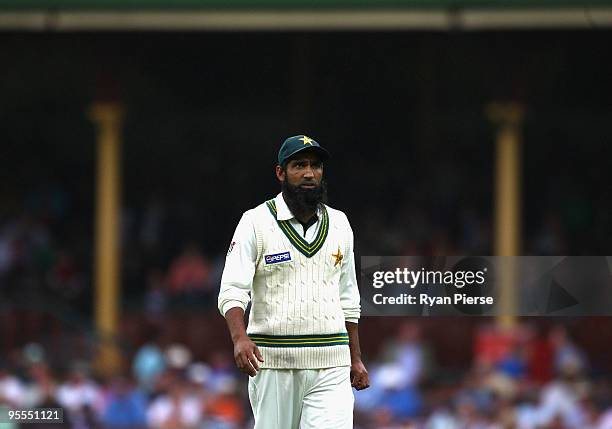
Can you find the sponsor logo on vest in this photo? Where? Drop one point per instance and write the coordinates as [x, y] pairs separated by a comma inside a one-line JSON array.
[[277, 258]]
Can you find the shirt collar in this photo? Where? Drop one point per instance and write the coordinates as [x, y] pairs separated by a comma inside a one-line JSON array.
[[282, 209]]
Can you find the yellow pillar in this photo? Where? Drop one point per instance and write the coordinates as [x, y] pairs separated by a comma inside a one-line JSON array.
[[508, 117], [107, 118]]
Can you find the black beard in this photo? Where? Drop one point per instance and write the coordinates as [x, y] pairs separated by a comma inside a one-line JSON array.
[[301, 201]]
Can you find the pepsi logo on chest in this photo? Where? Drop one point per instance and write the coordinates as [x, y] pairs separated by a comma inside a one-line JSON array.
[[277, 258]]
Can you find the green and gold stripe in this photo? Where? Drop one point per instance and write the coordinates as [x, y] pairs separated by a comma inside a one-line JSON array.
[[322, 340], [306, 248]]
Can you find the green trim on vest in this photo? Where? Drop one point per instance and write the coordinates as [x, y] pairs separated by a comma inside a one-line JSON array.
[[322, 340], [305, 248]]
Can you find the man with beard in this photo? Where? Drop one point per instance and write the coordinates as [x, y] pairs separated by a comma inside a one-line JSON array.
[[292, 257]]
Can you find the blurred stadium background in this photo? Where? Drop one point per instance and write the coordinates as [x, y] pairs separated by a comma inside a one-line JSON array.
[[195, 96]]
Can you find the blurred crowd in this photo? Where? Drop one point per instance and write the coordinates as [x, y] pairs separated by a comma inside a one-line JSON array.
[[173, 254], [519, 378], [164, 389], [46, 253], [412, 166], [523, 378]]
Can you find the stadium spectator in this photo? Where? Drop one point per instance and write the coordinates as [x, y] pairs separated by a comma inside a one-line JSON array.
[[225, 410], [563, 399], [125, 407], [178, 406], [188, 279], [151, 230], [80, 396], [394, 392], [156, 297], [149, 362], [64, 277], [189, 271], [222, 371], [514, 363], [409, 353], [606, 420], [568, 357], [41, 388], [12, 392]]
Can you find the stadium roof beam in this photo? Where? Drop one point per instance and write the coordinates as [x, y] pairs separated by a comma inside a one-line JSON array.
[[402, 19]]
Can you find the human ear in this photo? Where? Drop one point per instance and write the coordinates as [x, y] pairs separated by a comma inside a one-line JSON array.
[[280, 173]]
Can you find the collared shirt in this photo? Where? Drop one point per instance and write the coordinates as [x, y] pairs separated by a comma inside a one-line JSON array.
[[284, 213], [240, 263]]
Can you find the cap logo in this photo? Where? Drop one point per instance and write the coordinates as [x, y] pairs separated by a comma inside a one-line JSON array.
[[307, 140]]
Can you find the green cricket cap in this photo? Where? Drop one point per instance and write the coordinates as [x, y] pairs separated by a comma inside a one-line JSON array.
[[297, 144]]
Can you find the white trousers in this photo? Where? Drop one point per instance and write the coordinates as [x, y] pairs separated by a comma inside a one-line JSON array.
[[302, 398]]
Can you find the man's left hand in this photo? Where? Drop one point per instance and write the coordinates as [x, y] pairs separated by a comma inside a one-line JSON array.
[[359, 376]]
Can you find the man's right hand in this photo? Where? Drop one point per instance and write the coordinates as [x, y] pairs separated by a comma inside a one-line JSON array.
[[247, 356]]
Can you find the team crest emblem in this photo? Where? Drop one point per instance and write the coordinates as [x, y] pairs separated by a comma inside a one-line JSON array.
[[306, 140], [338, 257]]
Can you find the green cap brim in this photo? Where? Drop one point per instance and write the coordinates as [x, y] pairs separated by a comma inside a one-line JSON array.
[[323, 154]]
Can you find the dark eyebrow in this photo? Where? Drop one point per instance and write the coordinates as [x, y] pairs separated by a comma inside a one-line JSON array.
[[302, 161]]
